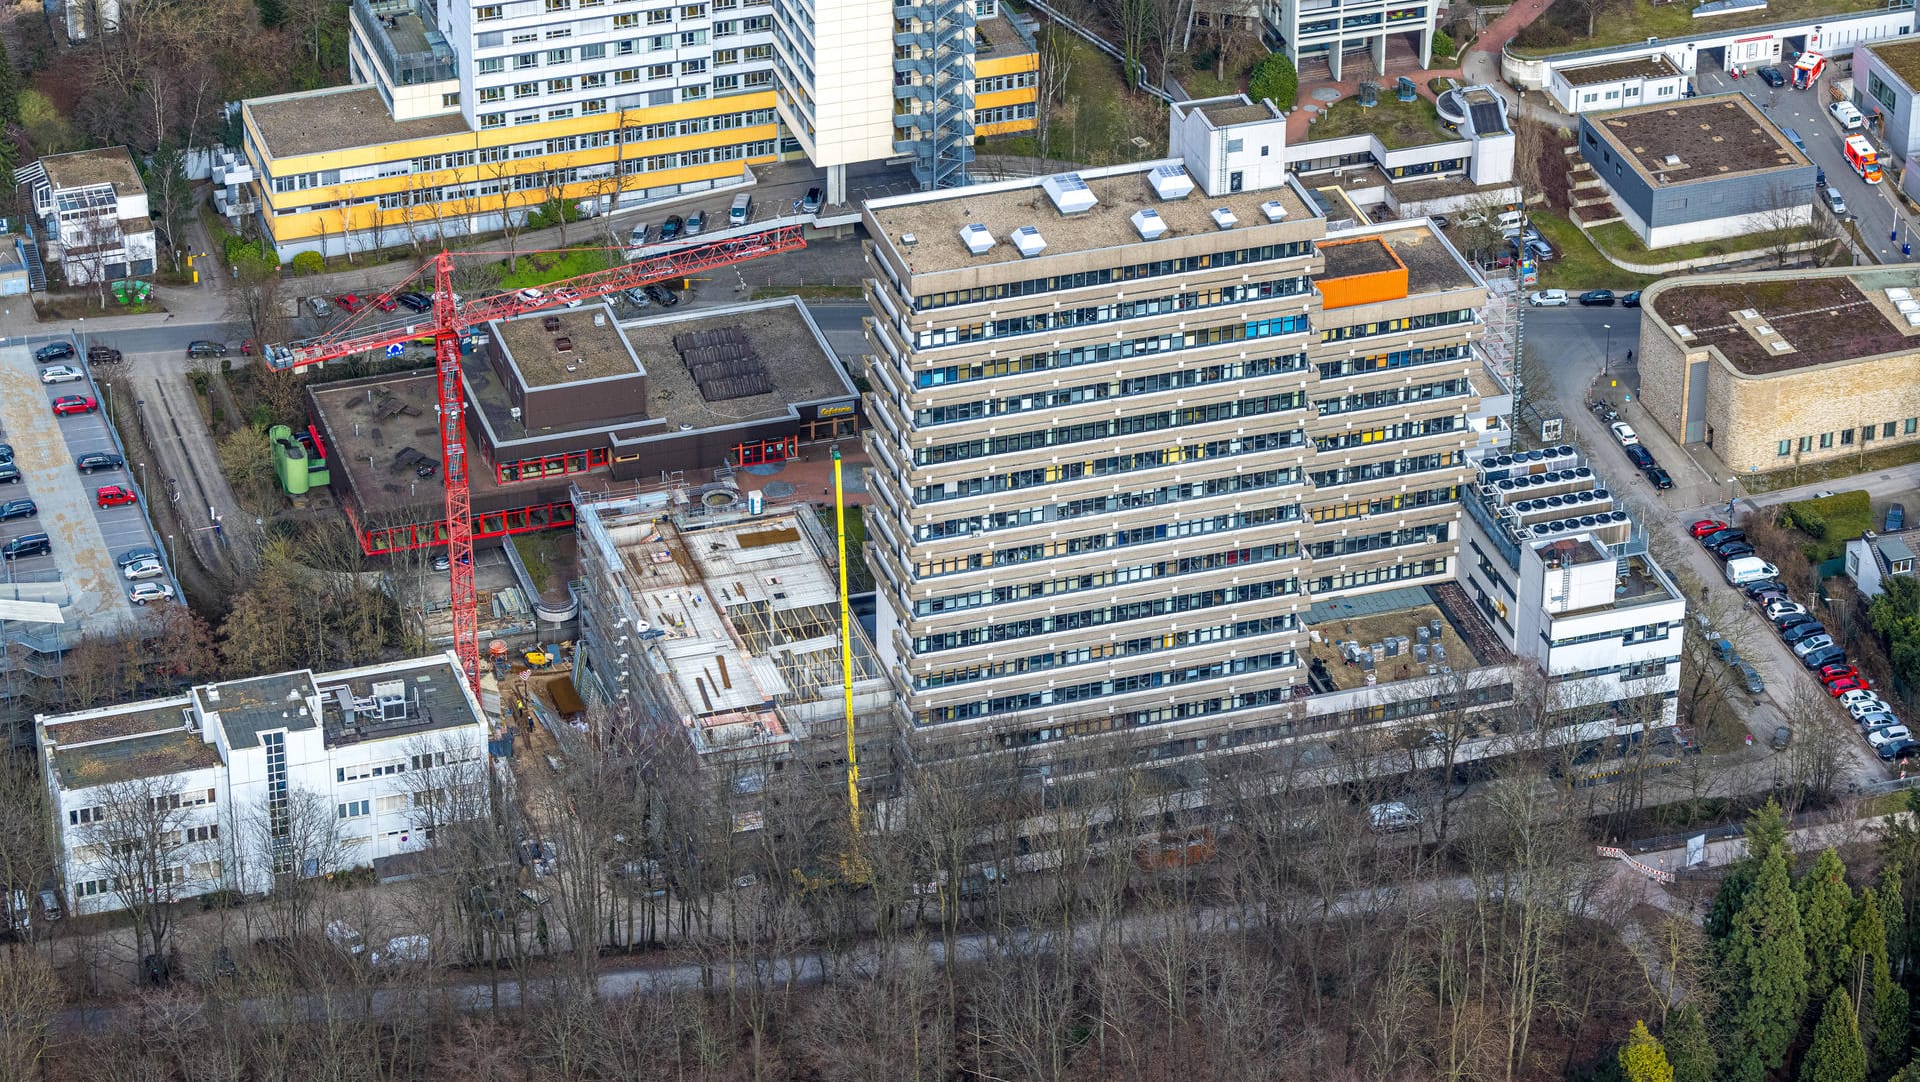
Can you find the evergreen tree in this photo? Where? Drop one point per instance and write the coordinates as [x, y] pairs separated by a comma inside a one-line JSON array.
[[1826, 909], [1880, 1002], [9, 88], [1690, 1047], [1893, 915], [1836, 1054], [1765, 831], [1642, 1059], [1763, 974]]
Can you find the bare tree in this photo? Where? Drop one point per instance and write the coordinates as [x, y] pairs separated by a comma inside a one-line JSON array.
[[29, 999], [143, 844], [296, 847], [1055, 67]]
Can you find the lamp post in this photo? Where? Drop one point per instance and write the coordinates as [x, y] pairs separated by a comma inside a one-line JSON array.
[[1606, 358]]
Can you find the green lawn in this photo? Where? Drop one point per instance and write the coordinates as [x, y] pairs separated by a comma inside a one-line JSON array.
[[1620, 241], [1097, 119], [1638, 20], [1203, 83], [538, 270], [1581, 265], [1397, 124], [1836, 519], [859, 575]]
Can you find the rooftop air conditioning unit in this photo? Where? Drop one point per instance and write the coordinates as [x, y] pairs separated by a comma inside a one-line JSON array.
[[1275, 210], [1069, 193], [1028, 239], [1170, 181], [1149, 223], [1223, 218], [976, 237]]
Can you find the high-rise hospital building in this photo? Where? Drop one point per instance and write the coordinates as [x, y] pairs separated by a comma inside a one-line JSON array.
[[462, 111]]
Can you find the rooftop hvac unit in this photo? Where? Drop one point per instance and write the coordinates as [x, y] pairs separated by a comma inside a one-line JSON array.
[[1149, 223], [1275, 210], [1506, 484], [1069, 193], [1583, 471], [1602, 494], [1588, 520], [976, 237], [1170, 182], [1029, 241], [1565, 449], [1223, 218]]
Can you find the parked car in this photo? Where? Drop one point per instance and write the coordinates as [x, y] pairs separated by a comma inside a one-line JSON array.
[[1787, 621], [662, 296], [385, 303], [1749, 677], [568, 296], [1899, 749], [103, 355], [1630, 300], [1707, 526], [204, 348], [1771, 76], [18, 509], [145, 592], [74, 403], [532, 294], [348, 302], [1660, 478], [638, 234], [1722, 536], [32, 544], [1876, 719], [1860, 708], [134, 556], [1848, 698], [114, 496], [696, 222], [1840, 672], [9, 474], [1640, 456], [94, 461], [1800, 633], [1765, 584], [672, 227], [144, 569], [1624, 432], [1880, 738], [415, 302], [1781, 607], [1392, 817], [1734, 550], [57, 351], [1896, 518], [1598, 298], [320, 307], [1811, 643], [61, 373], [636, 297], [1548, 298], [1824, 657], [1782, 736], [815, 198]]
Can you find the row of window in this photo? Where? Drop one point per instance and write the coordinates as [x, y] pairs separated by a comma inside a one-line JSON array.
[[1374, 542], [559, 178], [1112, 312], [1113, 428], [1376, 471], [1211, 374], [994, 84], [1393, 396], [193, 798], [486, 13], [1052, 360], [1125, 685], [1006, 114], [1384, 505], [1845, 437], [1074, 471], [1391, 326], [1115, 614], [1107, 275], [1100, 542], [1112, 503], [1380, 362], [1104, 579], [1109, 651], [1418, 569], [1404, 430]]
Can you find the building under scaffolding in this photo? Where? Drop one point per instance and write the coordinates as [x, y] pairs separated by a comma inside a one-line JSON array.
[[713, 610]]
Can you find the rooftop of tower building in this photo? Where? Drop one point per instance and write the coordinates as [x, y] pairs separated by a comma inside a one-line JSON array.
[[1040, 218]]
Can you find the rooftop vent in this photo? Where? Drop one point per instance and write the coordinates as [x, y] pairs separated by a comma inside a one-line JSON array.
[[1069, 193], [1223, 218], [976, 237], [562, 345], [1028, 239], [1274, 210], [1673, 159], [1170, 182], [908, 240], [1149, 223], [551, 323]]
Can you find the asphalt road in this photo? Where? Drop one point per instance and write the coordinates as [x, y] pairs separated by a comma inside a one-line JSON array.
[[1805, 111]]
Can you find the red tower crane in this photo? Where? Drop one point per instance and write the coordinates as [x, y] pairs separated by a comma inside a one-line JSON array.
[[451, 320]]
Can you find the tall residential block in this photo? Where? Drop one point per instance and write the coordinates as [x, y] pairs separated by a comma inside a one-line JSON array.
[[1386, 35], [464, 112], [1135, 429]]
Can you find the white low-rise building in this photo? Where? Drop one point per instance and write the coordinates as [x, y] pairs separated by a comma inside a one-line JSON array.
[[92, 208], [236, 783]]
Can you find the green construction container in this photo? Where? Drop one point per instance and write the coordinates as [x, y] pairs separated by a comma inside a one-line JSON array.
[[289, 461]]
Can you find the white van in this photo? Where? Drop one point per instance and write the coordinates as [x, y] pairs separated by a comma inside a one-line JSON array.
[[1747, 569], [1510, 222], [1848, 116], [742, 207], [1392, 817]]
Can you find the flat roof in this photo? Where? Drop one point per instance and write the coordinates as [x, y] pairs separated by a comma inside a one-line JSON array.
[[374, 422], [1822, 317], [998, 37], [85, 168], [1431, 261], [594, 346], [260, 704], [1699, 139], [802, 366], [748, 614], [433, 698], [338, 118], [1902, 58], [1350, 256], [149, 755], [1238, 109], [1349, 629], [1647, 67], [935, 219]]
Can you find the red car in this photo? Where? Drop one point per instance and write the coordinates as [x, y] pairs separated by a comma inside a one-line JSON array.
[[349, 302], [115, 496], [1708, 525], [74, 403], [385, 303], [1841, 685], [1836, 671]]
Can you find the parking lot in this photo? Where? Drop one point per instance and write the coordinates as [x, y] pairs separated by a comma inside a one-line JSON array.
[[86, 538]]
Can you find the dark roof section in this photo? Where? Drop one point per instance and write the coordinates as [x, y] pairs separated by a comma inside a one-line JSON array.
[[1825, 318], [1684, 142], [248, 708], [1902, 58], [152, 755], [1346, 258], [1653, 67], [431, 698]]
